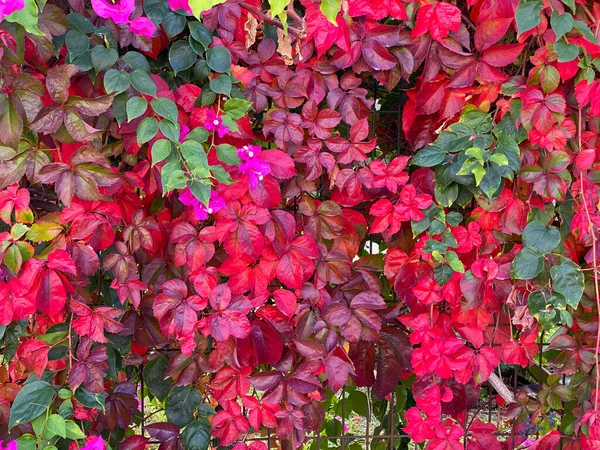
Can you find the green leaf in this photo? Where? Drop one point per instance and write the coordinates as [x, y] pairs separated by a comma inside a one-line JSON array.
[[566, 52], [455, 262], [181, 56], [166, 108], [172, 177], [540, 236], [561, 23], [585, 31], [116, 81], [200, 6], [77, 43], [194, 154], [136, 106], [527, 15], [142, 82], [120, 106], [170, 130], [196, 435], [154, 376], [491, 182], [173, 24], [454, 218], [568, 280], [221, 85], [147, 129], [198, 134], [201, 191], [429, 156], [103, 58], [57, 426], [221, 175], [201, 34], [331, 8], [228, 154], [27, 442], [136, 61], [236, 108], [570, 4], [229, 123], [31, 401], [549, 79], [528, 263], [499, 159], [90, 399], [219, 59], [442, 273], [161, 150], [27, 17], [182, 401], [277, 6], [73, 431]]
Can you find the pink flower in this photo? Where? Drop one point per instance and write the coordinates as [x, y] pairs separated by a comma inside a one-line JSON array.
[[7, 7], [183, 131], [256, 169], [12, 445], [215, 123], [94, 443], [249, 151], [215, 204], [118, 12], [180, 4], [142, 26]]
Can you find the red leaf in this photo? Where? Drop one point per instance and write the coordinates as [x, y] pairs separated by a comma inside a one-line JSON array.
[[282, 166], [34, 354], [286, 301], [502, 55], [490, 32], [438, 19]]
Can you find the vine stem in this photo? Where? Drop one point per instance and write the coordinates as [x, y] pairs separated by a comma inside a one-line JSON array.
[[262, 16], [594, 267]]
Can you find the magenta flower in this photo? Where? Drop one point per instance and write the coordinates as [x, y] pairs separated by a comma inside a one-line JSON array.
[[12, 445], [7, 7], [248, 152], [256, 169], [120, 11], [183, 131], [215, 204], [142, 26], [215, 123], [180, 4], [95, 443]]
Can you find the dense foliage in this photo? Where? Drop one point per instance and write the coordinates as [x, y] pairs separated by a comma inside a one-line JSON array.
[[208, 205]]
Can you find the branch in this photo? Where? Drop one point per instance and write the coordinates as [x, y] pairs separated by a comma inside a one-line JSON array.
[[262, 16], [501, 388]]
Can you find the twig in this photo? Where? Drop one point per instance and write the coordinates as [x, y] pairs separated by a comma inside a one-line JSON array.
[[468, 21], [262, 16], [501, 388], [594, 267]]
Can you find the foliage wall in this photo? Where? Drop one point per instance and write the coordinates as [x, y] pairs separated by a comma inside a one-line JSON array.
[[208, 205]]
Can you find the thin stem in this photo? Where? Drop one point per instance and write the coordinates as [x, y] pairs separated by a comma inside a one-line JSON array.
[[262, 16], [594, 266]]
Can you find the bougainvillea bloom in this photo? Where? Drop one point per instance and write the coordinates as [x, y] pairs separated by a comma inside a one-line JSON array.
[[142, 26], [7, 7], [215, 123], [202, 211], [95, 443], [120, 12], [180, 4]]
